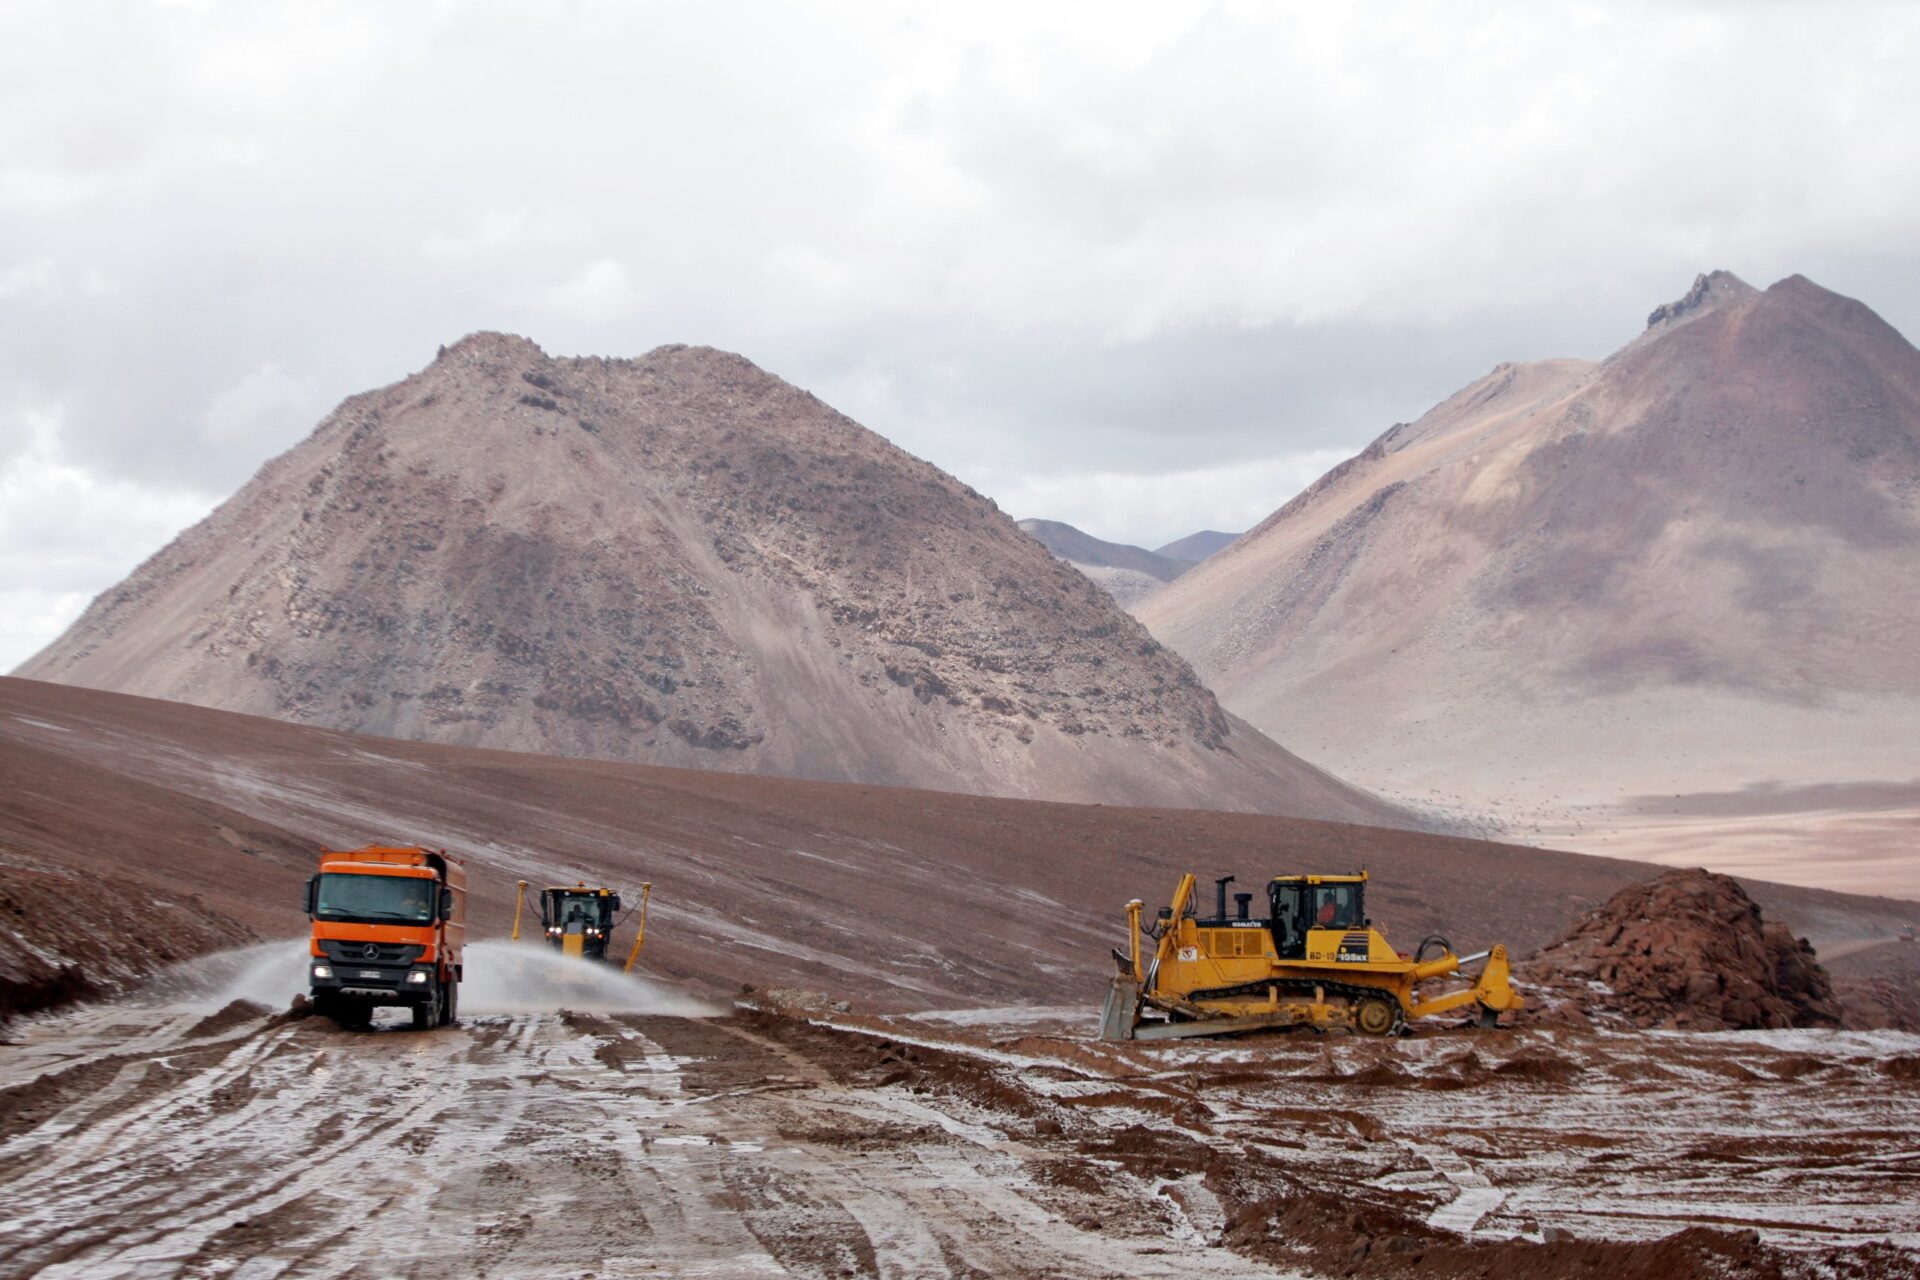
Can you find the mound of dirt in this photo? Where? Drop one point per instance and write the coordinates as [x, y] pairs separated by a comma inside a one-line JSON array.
[[46, 961], [237, 1013], [1690, 950]]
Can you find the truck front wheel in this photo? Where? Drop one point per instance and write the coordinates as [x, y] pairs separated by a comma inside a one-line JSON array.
[[348, 1015], [452, 996], [427, 1016]]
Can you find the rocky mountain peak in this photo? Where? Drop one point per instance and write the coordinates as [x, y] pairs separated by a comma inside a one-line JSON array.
[[1705, 541], [1709, 289], [489, 344]]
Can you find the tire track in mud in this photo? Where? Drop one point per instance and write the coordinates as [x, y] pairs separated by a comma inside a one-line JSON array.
[[525, 1146], [632, 1145], [77, 1143], [144, 1211], [934, 1188], [133, 1193]]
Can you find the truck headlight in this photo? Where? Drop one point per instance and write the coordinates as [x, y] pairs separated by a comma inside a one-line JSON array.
[[418, 975], [323, 971]]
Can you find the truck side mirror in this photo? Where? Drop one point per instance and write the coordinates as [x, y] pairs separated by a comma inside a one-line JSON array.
[[446, 903], [616, 903], [313, 894]]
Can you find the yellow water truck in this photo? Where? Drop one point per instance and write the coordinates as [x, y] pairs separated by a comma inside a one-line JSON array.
[[1314, 960], [579, 921]]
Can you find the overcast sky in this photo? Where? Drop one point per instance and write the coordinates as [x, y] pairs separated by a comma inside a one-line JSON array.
[[1144, 268]]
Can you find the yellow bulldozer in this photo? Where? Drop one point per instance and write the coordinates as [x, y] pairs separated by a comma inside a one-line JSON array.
[[1315, 960]]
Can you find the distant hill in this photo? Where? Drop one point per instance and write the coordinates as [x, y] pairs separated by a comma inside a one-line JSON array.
[[678, 559], [1196, 547], [1128, 573], [1665, 604]]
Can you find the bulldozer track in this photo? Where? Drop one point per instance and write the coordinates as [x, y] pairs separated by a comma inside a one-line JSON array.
[[1352, 992]]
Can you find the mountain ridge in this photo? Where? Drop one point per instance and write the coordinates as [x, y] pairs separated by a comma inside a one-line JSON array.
[[679, 559], [1573, 585]]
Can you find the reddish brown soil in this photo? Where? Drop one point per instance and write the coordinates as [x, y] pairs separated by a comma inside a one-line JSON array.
[[893, 899]]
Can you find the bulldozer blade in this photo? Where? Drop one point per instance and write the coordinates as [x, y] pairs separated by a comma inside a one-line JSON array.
[[1122, 1011], [1217, 1026]]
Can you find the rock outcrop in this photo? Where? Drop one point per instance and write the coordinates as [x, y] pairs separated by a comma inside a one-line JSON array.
[[1708, 287]]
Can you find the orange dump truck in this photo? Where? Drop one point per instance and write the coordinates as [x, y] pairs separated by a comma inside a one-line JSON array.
[[389, 925]]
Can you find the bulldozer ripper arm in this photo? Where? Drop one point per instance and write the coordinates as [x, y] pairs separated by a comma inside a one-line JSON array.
[[1493, 988], [1437, 968]]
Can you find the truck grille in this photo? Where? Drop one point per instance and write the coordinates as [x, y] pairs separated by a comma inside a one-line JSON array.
[[346, 952]]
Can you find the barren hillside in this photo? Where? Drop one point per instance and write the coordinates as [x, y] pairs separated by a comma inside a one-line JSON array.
[[1663, 605], [185, 830], [678, 559]]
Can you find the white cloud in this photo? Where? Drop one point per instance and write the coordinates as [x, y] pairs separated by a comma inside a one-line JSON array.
[[267, 407], [66, 533], [1018, 236], [501, 233], [40, 280], [35, 280], [46, 190], [1152, 510], [600, 290]]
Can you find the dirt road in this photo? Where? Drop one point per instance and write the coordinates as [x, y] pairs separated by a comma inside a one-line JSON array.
[[168, 1142], [533, 1144]]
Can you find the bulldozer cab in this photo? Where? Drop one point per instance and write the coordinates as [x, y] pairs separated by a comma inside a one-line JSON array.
[[1299, 903], [572, 910], [578, 919]]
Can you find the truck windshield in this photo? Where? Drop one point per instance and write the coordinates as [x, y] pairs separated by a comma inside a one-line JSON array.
[[375, 898]]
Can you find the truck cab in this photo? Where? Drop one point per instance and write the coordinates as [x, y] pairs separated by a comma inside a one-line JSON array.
[[389, 928]]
